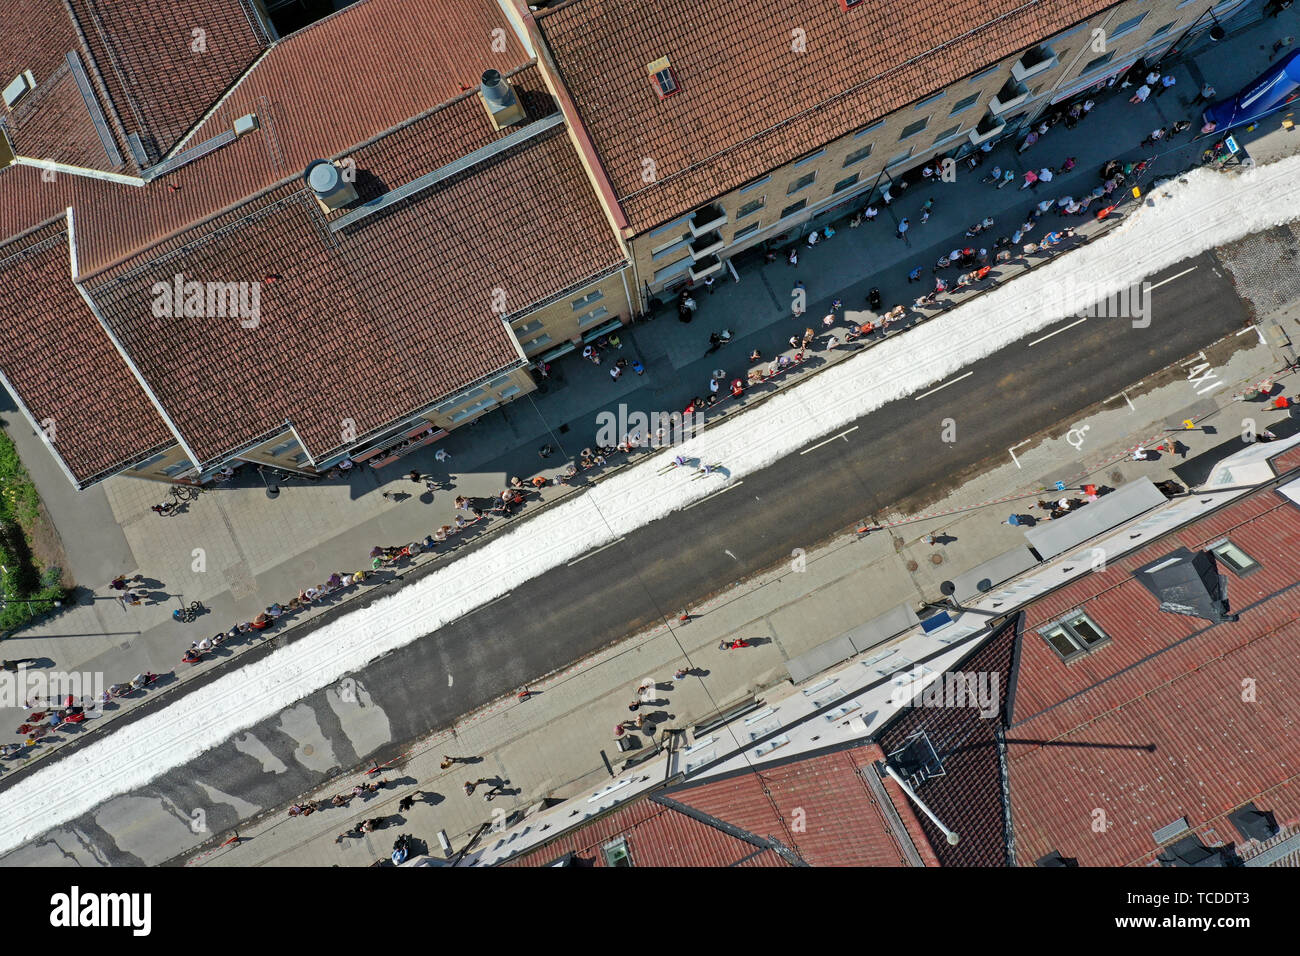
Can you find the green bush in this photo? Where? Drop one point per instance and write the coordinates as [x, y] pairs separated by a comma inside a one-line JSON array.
[[30, 591]]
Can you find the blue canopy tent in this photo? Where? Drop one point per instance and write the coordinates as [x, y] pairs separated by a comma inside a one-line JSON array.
[[1278, 85]]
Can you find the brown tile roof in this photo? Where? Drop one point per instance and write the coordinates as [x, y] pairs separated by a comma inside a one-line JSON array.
[[151, 73], [747, 102], [842, 823], [1156, 724], [968, 797], [56, 356], [161, 75], [818, 809], [369, 324], [656, 836]]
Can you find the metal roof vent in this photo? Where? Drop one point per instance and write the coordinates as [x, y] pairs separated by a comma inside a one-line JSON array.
[[333, 190], [23, 84], [504, 108], [245, 124]]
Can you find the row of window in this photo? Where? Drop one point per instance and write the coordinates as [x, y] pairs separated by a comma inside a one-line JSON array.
[[1077, 633]]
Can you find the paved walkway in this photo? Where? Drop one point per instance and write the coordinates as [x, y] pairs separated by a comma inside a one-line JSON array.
[[237, 551]]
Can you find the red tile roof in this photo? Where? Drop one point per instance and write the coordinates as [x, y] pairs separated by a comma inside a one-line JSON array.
[[843, 824], [656, 835], [818, 808], [1156, 724], [164, 65], [56, 356], [747, 101], [151, 72], [415, 285]]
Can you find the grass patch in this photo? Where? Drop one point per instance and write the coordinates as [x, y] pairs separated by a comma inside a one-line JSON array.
[[29, 590]]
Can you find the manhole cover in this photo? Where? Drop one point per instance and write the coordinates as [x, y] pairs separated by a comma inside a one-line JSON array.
[[912, 565], [309, 565], [308, 750], [936, 559], [898, 544], [1117, 476]]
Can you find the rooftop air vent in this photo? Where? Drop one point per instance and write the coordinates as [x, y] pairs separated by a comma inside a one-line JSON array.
[[504, 108], [245, 124], [23, 84], [332, 190]]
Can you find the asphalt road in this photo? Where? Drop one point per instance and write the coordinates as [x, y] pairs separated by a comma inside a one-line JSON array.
[[895, 457]]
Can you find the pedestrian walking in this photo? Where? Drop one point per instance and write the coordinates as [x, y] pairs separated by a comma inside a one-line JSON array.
[[1030, 140], [915, 275], [1274, 7], [1031, 179], [442, 455], [1045, 175], [1007, 177], [1154, 136], [1166, 82], [925, 216], [1140, 95], [870, 213], [903, 226], [1207, 93]]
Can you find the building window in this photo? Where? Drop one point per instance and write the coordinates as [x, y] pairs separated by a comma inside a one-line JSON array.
[[949, 133], [901, 157], [1234, 557], [867, 129], [595, 315], [930, 99], [283, 447], [478, 406], [803, 182], [857, 156], [675, 224], [664, 251], [171, 471], [983, 73], [754, 185], [1097, 63], [808, 159], [661, 76], [1161, 31], [751, 207], [744, 231], [509, 392], [844, 184], [1128, 26], [528, 328], [674, 270], [914, 128], [587, 299], [1074, 634], [535, 343], [793, 208], [1068, 33], [965, 104]]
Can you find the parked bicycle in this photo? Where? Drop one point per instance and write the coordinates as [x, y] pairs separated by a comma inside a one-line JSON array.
[[185, 492], [186, 614]]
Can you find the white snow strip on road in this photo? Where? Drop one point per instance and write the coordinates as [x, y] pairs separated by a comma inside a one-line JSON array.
[[1206, 210]]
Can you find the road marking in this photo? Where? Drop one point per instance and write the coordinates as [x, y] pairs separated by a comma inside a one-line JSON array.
[[730, 555], [1057, 332], [944, 385], [829, 440], [488, 604], [449, 680], [1244, 331], [597, 551], [1172, 278], [1013, 448], [714, 495]]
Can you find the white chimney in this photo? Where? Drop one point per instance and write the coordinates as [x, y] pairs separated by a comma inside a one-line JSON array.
[[504, 108]]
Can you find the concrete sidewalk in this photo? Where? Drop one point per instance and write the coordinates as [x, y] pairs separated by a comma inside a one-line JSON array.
[[559, 743], [237, 551]]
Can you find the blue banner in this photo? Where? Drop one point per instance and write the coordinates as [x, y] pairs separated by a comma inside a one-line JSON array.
[[1277, 85]]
